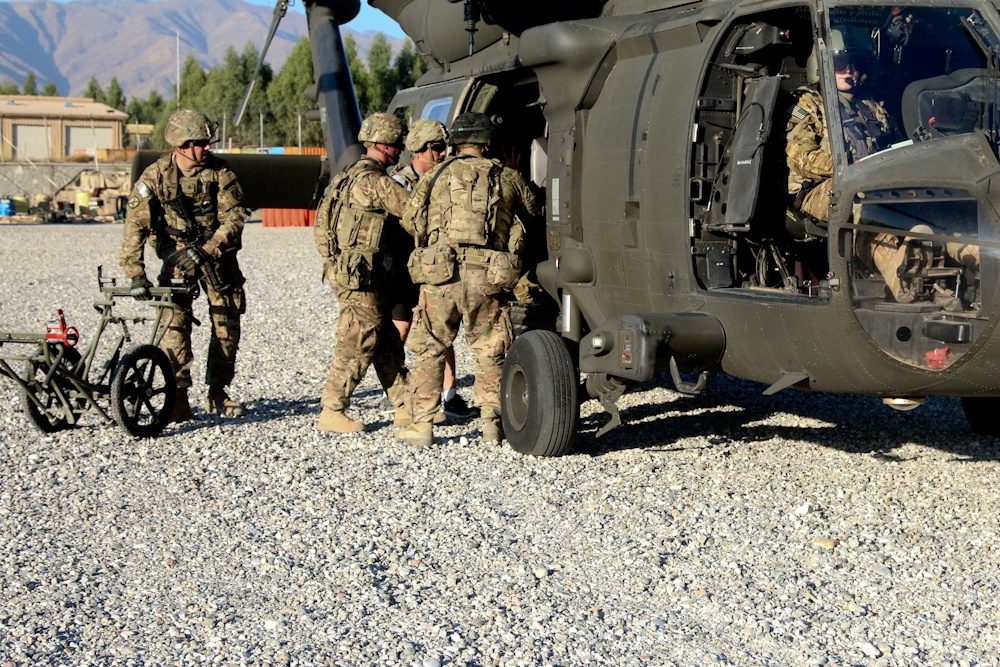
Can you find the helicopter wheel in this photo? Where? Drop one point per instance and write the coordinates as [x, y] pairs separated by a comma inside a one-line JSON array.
[[538, 395], [981, 413], [36, 371], [142, 391]]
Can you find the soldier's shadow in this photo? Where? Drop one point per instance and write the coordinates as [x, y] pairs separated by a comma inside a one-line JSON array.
[[263, 410]]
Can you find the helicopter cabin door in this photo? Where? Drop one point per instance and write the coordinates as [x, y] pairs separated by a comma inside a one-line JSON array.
[[745, 232]]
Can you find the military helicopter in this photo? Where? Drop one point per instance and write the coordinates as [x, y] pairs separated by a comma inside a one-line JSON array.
[[657, 129]]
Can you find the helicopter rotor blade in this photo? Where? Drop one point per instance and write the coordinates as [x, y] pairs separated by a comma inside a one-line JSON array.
[[279, 12]]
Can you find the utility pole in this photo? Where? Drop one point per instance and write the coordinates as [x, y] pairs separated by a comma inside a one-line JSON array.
[[177, 35]]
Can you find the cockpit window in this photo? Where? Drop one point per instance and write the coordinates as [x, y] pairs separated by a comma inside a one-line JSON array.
[[910, 73]]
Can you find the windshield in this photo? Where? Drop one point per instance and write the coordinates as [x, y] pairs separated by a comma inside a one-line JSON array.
[[911, 73]]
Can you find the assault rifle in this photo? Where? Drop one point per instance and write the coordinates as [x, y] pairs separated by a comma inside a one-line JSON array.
[[195, 235]]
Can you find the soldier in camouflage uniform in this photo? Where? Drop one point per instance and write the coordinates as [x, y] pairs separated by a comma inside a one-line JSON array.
[[463, 216], [353, 222], [426, 141], [192, 179], [867, 129]]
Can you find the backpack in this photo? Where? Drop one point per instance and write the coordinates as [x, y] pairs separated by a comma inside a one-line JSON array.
[[474, 193], [347, 236]]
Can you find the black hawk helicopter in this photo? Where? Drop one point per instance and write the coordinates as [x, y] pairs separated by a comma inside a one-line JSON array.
[[658, 130]]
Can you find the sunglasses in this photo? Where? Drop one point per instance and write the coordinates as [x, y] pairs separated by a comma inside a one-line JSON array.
[[842, 64], [438, 147], [202, 143]]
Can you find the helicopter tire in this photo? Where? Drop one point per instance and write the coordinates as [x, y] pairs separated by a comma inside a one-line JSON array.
[[142, 391], [981, 413], [538, 391], [36, 372]]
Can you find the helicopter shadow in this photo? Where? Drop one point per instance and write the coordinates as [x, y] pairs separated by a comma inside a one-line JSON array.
[[736, 412]]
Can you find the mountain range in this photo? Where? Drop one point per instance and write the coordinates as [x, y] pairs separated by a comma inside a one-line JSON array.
[[137, 41]]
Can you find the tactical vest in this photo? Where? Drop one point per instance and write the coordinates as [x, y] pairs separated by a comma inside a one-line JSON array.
[[198, 193], [863, 131], [470, 190], [353, 227], [354, 232]]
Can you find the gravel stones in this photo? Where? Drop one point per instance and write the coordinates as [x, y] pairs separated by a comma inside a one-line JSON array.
[[728, 528]]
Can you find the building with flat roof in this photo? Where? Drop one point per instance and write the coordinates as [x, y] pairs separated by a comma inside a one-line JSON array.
[[34, 127]]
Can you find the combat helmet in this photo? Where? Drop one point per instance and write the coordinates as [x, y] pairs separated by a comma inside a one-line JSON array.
[[471, 127], [382, 128], [188, 125], [423, 132]]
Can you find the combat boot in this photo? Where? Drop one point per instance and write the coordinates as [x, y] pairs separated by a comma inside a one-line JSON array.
[[182, 408], [492, 430], [402, 417], [336, 421], [219, 403], [418, 435]]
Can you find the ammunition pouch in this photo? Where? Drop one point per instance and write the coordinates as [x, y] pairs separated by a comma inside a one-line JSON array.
[[432, 266], [503, 270], [353, 269]]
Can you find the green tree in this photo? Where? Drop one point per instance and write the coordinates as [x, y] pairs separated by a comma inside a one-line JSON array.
[[94, 90], [375, 84], [359, 75], [409, 66], [50, 89], [193, 79], [224, 89], [146, 111], [381, 75], [115, 96], [9, 89], [30, 87], [288, 102]]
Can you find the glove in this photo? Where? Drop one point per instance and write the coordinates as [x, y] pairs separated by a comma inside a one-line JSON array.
[[140, 288], [190, 258]]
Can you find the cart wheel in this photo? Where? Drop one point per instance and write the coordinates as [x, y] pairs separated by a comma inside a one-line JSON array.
[[142, 391], [53, 419]]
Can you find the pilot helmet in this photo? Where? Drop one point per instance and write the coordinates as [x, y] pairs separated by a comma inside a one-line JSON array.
[[382, 128], [189, 125], [850, 45], [423, 132], [471, 127]]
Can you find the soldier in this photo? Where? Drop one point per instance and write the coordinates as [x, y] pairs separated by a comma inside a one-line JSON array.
[[426, 141], [867, 129], [352, 224], [189, 206], [464, 218]]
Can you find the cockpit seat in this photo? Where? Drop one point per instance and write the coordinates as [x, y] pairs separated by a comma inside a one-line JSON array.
[[945, 105]]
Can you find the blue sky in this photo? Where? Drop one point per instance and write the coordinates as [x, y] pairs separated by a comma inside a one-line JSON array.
[[369, 18]]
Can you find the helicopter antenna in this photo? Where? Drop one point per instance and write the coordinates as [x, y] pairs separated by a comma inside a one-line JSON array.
[[472, 16], [279, 13]]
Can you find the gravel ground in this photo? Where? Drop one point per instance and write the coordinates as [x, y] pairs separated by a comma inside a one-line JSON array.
[[726, 529]]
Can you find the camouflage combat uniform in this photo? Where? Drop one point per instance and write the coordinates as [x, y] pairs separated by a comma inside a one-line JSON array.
[[867, 126], [469, 297], [399, 245], [212, 195], [354, 263]]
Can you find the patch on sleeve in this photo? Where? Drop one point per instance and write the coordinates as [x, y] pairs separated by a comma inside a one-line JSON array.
[[134, 201], [235, 191], [143, 191]]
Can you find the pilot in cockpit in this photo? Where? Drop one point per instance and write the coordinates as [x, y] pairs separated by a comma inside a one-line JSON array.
[[867, 128]]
